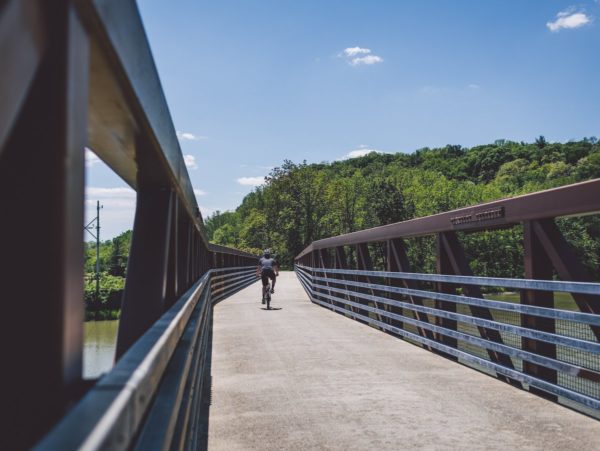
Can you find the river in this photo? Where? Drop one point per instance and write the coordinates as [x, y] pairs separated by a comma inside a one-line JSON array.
[[99, 347]]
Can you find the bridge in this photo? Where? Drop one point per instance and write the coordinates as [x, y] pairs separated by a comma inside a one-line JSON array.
[[359, 352]]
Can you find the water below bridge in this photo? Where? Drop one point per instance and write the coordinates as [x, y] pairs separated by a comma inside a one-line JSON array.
[[303, 377]]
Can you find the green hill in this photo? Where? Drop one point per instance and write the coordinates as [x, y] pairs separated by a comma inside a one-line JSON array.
[[303, 202]]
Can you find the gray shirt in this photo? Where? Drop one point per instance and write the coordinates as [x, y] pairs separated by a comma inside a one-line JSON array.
[[267, 263]]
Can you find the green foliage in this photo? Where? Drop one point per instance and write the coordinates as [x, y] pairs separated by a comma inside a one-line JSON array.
[[113, 267], [113, 255], [109, 295], [301, 203]]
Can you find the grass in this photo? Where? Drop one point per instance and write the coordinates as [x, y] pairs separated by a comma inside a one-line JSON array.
[[563, 301], [102, 315]]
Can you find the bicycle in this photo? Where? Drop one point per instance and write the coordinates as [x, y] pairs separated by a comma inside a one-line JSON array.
[[267, 296]]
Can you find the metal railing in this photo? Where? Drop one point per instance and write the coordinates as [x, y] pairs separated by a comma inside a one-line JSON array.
[[80, 73], [525, 341], [152, 399]]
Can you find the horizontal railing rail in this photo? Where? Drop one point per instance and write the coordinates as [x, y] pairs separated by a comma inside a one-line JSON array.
[[467, 357], [524, 336], [501, 282], [151, 399], [337, 299], [571, 200], [565, 287]]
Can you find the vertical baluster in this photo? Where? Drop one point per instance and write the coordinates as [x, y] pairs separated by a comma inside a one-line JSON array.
[[537, 266], [444, 266], [145, 293]]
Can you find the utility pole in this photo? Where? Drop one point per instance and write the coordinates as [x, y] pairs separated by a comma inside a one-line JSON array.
[[89, 227]]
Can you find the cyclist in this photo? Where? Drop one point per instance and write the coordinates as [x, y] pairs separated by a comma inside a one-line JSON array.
[[267, 268]]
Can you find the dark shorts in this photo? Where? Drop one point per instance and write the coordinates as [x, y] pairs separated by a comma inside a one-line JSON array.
[[267, 274]]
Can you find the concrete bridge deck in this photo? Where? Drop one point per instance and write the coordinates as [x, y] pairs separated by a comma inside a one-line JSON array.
[[303, 377]]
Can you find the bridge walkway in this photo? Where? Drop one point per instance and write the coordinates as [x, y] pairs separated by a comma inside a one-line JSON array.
[[303, 377]]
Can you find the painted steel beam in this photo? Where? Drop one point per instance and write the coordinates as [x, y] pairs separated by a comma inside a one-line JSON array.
[[23, 37], [537, 266], [42, 200], [147, 267], [577, 199]]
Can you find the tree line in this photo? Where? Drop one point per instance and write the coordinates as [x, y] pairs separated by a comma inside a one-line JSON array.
[[299, 202], [114, 254]]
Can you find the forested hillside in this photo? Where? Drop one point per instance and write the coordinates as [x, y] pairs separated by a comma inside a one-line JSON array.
[[299, 203]]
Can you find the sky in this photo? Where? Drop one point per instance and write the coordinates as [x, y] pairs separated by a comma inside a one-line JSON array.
[[250, 83]]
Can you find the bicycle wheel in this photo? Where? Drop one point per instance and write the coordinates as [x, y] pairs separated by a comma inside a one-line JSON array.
[[268, 295]]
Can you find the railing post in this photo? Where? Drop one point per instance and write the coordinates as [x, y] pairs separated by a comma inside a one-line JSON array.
[[173, 256], [183, 252], [567, 264], [147, 268], [460, 266], [398, 262], [42, 140], [537, 266], [323, 260], [364, 263], [194, 273], [342, 263], [444, 266]]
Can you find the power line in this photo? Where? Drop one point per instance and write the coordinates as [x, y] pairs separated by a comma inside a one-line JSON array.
[[95, 224]]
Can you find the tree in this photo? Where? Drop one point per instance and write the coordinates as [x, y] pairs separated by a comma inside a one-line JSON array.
[[541, 142], [386, 203], [300, 203]]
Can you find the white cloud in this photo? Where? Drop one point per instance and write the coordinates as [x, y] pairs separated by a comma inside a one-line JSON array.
[[117, 192], [207, 211], [356, 56], [360, 152], [251, 181], [190, 161], [199, 192], [118, 209], [187, 136], [568, 20], [91, 159], [367, 60], [115, 198], [353, 51]]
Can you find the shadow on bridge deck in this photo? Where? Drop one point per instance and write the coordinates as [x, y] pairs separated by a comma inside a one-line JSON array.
[[303, 377]]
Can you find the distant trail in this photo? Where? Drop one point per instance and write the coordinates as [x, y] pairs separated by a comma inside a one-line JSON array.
[[305, 378]]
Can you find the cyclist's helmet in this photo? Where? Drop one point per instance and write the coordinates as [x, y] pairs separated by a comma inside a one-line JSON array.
[[267, 253]]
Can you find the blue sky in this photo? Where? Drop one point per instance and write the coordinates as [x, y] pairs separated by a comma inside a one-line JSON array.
[[253, 82]]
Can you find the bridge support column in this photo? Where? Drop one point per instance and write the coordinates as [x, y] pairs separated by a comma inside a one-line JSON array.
[[147, 268], [444, 266], [173, 255], [323, 263], [341, 262], [460, 266], [184, 253], [567, 264], [43, 133], [537, 266], [365, 263], [397, 261]]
